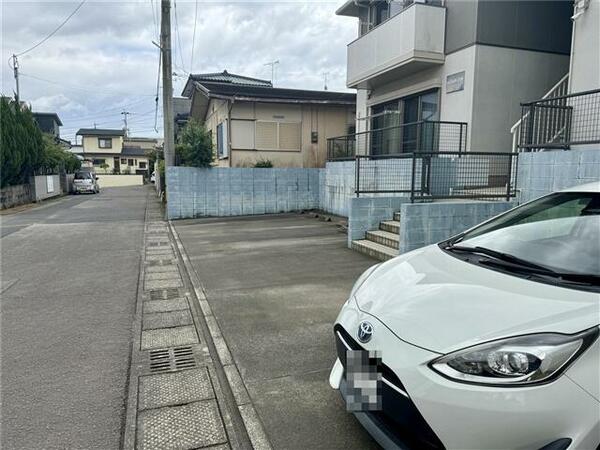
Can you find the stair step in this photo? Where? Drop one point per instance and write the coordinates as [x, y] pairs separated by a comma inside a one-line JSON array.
[[384, 238], [397, 216], [392, 226], [373, 249]]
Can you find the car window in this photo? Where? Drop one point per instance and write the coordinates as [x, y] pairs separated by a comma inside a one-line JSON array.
[[83, 176], [560, 231]]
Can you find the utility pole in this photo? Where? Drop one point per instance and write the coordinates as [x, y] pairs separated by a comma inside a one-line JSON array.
[[16, 72], [167, 74], [125, 114], [272, 64]]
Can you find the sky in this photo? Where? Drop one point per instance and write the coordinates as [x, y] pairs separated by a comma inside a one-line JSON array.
[[103, 62]]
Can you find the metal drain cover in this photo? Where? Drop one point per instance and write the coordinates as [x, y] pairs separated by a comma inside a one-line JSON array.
[[168, 359], [164, 294], [166, 319]]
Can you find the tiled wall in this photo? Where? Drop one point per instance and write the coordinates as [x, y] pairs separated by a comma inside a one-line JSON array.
[[194, 192], [543, 172], [427, 223]]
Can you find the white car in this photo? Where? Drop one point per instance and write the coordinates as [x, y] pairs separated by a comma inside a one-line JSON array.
[[486, 341], [85, 182]]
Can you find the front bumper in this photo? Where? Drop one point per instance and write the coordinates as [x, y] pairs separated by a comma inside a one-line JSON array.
[[440, 413]]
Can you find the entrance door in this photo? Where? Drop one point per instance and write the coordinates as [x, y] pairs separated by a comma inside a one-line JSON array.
[[117, 165]]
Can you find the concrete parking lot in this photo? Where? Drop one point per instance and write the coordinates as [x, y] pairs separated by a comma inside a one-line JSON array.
[[275, 284]]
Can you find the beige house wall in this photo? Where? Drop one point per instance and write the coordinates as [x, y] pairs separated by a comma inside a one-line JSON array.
[[90, 144], [328, 121], [110, 161]]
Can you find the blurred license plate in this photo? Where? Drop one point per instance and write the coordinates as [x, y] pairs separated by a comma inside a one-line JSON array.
[[363, 380]]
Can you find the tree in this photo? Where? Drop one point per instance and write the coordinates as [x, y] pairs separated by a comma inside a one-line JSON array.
[[194, 148], [21, 144], [55, 157]]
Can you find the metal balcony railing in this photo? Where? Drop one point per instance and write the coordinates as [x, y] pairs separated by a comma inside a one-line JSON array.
[[438, 175], [416, 137], [560, 122]]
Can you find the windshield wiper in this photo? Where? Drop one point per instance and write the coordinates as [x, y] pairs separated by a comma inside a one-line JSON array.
[[503, 257], [511, 261]]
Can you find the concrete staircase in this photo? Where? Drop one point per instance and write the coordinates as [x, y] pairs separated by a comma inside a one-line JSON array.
[[381, 244]]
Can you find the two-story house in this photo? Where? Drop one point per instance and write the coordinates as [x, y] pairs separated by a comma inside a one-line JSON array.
[[107, 151], [50, 123], [464, 63], [251, 121]]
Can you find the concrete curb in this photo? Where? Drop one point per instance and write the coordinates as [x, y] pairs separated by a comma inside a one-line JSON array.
[[254, 427]]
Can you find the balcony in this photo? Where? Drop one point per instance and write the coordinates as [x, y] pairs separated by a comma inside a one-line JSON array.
[[406, 43]]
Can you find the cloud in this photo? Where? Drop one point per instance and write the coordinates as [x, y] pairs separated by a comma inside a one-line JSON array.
[[103, 61]]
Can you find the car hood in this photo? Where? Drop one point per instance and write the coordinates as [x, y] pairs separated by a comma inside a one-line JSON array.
[[436, 301]]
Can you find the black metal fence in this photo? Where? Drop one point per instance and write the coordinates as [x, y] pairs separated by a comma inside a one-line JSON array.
[[560, 122], [424, 136], [438, 175]]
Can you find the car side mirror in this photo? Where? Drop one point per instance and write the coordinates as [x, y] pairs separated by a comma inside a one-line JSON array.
[[96, 178]]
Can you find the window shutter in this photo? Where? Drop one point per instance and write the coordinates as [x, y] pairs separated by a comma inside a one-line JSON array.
[[290, 136], [266, 135]]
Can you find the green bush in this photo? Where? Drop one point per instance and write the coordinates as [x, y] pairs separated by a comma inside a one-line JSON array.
[[263, 163], [194, 148]]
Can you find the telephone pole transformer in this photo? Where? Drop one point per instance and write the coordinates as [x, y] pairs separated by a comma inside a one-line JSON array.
[[167, 74]]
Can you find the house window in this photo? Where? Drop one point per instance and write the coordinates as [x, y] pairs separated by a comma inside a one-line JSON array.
[[104, 142], [222, 147], [123, 160], [142, 165], [98, 161], [130, 162]]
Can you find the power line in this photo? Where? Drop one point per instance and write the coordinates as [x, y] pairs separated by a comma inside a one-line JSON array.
[[95, 91], [194, 38], [178, 38], [154, 19], [54, 32]]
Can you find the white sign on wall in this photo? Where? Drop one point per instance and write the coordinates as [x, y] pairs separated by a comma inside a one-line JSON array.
[[455, 82], [49, 184]]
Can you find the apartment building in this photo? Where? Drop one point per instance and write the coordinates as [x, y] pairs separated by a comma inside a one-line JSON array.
[[250, 121], [466, 64]]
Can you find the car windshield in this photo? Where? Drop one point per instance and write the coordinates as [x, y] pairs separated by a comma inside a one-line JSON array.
[[560, 231], [83, 176]]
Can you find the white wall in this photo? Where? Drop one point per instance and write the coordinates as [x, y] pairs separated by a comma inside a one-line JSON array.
[[119, 180], [504, 78], [585, 59]]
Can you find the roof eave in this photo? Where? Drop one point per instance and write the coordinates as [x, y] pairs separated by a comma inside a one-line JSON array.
[[280, 100]]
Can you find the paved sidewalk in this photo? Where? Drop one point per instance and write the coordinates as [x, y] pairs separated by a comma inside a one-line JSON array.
[[177, 398]]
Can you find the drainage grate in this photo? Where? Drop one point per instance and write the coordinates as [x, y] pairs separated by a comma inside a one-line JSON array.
[[164, 294], [170, 359]]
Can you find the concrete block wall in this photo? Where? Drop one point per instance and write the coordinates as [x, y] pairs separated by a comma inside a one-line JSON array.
[[195, 192], [423, 224], [15, 195], [365, 213], [337, 187], [46, 186], [543, 172]]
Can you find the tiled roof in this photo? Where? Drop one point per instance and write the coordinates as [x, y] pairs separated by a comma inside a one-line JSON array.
[[222, 77], [99, 132], [297, 95], [133, 151]]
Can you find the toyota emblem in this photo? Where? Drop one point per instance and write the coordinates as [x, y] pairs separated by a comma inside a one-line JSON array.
[[365, 332]]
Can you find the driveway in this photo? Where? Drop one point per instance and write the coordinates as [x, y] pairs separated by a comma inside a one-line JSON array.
[[275, 284], [69, 280]]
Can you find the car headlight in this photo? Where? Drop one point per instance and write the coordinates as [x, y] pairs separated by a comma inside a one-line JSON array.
[[366, 274], [518, 361]]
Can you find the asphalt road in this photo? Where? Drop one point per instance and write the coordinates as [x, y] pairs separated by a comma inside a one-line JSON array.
[[69, 281], [276, 284]]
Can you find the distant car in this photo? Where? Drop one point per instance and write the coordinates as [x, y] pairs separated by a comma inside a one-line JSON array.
[[487, 340], [85, 182], [153, 177]]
